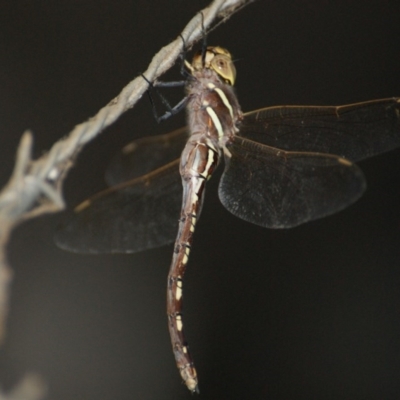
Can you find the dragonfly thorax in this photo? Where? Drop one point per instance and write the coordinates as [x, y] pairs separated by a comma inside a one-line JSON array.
[[212, 106]]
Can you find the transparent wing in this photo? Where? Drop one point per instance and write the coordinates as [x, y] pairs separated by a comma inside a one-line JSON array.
[[137, 215], [261, 184], [145, 155], [354, 131], [279, 189]]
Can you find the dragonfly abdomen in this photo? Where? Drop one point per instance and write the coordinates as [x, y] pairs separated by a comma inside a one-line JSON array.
[[213, 114], [199, 160]]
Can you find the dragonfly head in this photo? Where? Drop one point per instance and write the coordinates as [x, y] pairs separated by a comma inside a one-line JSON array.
[[219, 60]]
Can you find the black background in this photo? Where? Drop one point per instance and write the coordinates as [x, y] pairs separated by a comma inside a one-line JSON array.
[[308, 313]]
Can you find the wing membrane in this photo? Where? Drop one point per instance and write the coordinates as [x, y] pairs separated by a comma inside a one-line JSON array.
[[282, 181], [145, 155], [279, 189], [354, 131], [137, 215]]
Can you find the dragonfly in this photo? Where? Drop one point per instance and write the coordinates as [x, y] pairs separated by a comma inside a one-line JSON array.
[[284, 166]]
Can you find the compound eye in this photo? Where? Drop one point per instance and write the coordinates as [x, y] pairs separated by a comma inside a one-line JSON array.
[[224, 67], [221, 65]]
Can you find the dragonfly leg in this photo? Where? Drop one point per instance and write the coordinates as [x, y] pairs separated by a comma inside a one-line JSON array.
[[171, 110]]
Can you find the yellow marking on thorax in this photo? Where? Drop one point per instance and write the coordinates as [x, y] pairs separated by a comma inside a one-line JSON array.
[[222, 96], [216, 121]]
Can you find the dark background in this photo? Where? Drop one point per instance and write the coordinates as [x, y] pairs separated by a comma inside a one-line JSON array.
[[308, 313]]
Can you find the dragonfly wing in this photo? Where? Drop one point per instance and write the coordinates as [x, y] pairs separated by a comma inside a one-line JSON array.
[[134, 216], [279, 189], [145, 155], [354, 131]]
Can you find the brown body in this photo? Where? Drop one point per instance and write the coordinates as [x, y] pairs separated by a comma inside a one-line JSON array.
[[213, 115]]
